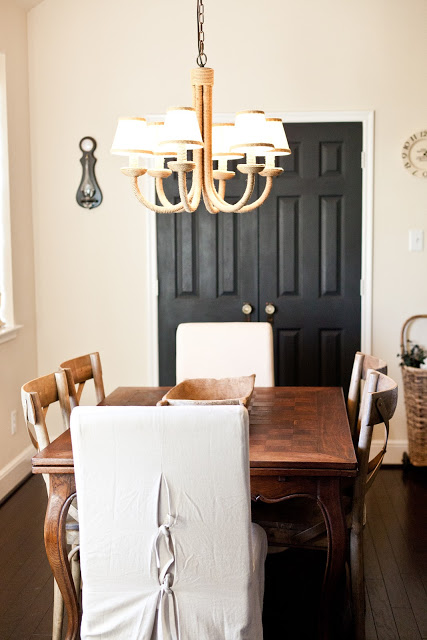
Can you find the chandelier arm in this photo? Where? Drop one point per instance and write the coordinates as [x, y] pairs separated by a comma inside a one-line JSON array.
[[208, 204], [221, 189], [193, 188], [221, 204], [194, 200], [183, 193], [208, 182], [258, 202], [162, 196], [153, 207], [196, 187]]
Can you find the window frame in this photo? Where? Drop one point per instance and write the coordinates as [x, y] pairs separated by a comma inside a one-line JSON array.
[[9, 330]]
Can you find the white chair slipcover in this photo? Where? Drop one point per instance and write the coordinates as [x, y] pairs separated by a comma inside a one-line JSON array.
[[168, 551], [225, 349]]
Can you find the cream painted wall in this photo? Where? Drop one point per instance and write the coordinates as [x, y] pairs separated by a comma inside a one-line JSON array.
[[17, 357], [92, 60]]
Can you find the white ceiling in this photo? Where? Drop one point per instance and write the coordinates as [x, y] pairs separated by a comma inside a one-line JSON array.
[[27, 4]]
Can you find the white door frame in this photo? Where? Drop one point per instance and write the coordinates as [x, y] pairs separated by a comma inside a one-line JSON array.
[[367, 161]]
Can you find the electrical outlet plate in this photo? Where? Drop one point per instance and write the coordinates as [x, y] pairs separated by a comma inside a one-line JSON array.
[[416, 240]]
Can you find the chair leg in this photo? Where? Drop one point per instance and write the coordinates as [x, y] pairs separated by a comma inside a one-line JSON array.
[[75, 572], [58, 612], [58, 602], [357, 583]]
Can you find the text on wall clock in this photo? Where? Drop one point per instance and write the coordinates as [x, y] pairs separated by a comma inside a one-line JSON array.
[[414, 154]]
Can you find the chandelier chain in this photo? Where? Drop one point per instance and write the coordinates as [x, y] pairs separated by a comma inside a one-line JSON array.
[[201, 58]]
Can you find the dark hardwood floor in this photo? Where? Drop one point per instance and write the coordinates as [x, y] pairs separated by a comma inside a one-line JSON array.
[[395, 560]]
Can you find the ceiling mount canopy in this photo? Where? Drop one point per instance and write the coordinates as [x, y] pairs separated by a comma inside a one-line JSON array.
[[191, 129]]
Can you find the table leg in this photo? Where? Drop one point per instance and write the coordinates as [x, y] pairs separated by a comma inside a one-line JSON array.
[[330, 501], [61, 493]]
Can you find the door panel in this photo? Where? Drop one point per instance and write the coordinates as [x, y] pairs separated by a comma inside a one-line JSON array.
[[207, 266], [310, 254]]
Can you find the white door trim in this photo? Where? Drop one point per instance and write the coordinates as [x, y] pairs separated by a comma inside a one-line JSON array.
[[148, 185], [367, 120]]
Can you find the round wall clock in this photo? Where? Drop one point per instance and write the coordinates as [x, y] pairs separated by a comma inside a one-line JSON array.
[[414, 154]]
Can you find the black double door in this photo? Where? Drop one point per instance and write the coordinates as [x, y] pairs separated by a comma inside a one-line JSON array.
[[300, 252]]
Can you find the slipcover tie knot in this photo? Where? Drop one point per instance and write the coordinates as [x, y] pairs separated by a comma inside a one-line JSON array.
[[167, 615], [163, 533], [165, 587]]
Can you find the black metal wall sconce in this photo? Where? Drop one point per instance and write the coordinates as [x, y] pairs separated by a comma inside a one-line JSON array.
[[88, 194]]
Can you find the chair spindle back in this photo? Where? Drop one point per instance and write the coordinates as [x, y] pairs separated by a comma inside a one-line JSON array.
[[377, 407], [362, 363], [79, 371]]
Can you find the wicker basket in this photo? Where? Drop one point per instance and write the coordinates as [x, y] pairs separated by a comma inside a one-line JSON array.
[[211, 391], [415, 392]]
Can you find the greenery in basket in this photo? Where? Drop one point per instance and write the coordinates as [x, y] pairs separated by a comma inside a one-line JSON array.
[[414, 357]]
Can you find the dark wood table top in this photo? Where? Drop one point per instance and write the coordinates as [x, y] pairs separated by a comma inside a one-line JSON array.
[[297, 430]]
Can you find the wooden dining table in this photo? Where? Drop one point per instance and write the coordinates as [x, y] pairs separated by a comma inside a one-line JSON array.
[[300, 444]]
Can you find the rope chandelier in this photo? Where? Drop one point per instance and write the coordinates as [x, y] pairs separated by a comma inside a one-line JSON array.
[[191, 128]]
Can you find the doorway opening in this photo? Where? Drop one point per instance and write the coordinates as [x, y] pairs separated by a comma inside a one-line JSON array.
[[217, 263]]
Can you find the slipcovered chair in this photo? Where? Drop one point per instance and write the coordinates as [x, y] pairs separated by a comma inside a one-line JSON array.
[[78, 371], [225, 349], [37, 396], [362, 363], [297, 524], [168, 550]]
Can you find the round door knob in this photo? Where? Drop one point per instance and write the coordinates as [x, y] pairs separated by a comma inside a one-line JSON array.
[[270, 309], [247, 309]]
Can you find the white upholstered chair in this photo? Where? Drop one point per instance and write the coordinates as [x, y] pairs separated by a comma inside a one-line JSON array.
[[225, 349], [168, 550]]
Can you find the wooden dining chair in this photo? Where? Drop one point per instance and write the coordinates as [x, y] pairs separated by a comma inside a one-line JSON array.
[[37, 396], [362, 363], [225, 349], [180, 557], [78, 371], [296, 523]]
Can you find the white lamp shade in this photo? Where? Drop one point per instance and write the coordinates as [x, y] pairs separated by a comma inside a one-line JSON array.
[[251, 134], [155, 134], [181, 127], [222, 140], [278, 137], [131, 137]]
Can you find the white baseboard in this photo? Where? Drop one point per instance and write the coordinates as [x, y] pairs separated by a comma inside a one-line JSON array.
[[15, 471], [395, 449]]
